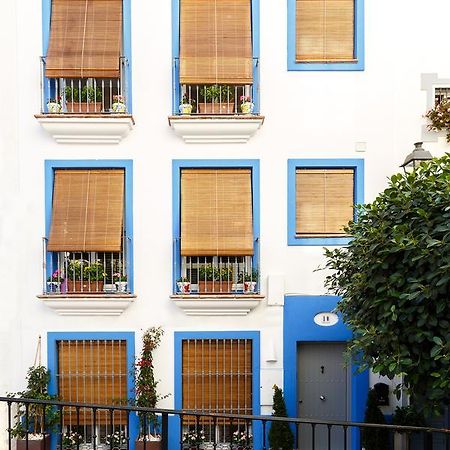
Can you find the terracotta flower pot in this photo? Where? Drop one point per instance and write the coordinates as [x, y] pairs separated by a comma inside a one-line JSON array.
[[149, 445], [34, 444]]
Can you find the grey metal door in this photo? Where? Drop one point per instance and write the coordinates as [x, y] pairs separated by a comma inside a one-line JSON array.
[[322, 393]]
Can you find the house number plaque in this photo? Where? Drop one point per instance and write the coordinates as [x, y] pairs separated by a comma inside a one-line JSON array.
[[326, 319]]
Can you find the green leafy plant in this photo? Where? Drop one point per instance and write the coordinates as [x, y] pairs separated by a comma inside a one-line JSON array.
[[393, 278], [208, 272], [37, 378], [374, 438], [183, 280], [94, 271], [439, 117], [217, 93], [71, 440], [280, 434], [193, 439], [147, 395], [245, 276], [408, 416], [86, 94], [56, 276]]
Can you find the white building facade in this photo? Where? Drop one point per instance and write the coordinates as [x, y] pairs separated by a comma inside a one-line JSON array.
[[228, 197]]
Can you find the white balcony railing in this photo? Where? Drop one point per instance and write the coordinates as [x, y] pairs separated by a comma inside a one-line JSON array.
[[85, 272], [84, 95]]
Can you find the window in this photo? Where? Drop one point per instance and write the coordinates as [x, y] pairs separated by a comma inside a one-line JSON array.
[[216, 242], [92, 368], [217, 376], [85, 68], [322, 195], [88, 246], [216, 55], [325, 35]]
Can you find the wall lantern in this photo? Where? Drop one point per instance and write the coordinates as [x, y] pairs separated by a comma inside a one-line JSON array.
[[416, 157]]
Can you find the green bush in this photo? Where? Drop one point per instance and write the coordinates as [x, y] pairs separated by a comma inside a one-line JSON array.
[[280, 433], [374, 438]]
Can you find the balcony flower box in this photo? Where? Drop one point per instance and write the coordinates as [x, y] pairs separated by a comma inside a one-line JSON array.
[[216, 108], [215, 287], [85, 287], [84, 107]]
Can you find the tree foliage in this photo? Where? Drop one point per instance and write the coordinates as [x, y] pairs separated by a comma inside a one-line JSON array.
[[394, 280], [280, 434]]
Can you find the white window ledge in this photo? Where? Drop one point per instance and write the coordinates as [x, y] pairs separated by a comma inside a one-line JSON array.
[[86, 129], [216, 129], [88, 305], [217, 305]]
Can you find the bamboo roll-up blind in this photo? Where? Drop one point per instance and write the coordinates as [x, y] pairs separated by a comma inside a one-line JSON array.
[[216, 212], [85, 39], [325, 30], [87, 212], [324, 201], [92, 371], [217, 376], [215, 42]]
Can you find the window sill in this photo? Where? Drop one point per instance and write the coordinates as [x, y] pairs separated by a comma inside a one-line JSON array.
[[88, 305], [86, 128], [233, 129], [217, 305]]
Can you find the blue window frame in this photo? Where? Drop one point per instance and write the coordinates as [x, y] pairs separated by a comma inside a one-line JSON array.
[[126, 46], [292, 64], [176, 55], [52, 363], [177, 166], [256, 403], [293, 164], [127, 165]]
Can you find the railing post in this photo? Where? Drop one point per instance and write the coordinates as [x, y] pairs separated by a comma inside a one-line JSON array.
[[9, 426], [165, 431]]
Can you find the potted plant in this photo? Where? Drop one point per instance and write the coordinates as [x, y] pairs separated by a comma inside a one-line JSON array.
[[187, 105], [217, 99], [183, 285], [146, 391], [120, 280], [241, 440], [34, 424], [246, 104], [71, 440], [84, 277], [54, 281], [405, 416], [54, 106], [249, 281], [215, 280], [439, 117], [119, 105], [86, 99], [117, 440], [193, 439]]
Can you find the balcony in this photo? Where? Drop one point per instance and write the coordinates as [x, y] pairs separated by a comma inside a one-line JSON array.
[[217, 285], [86, 110], [86, 283], [215, 113]]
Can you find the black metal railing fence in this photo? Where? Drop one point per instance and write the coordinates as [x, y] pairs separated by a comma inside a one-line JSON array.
[[187, 433]]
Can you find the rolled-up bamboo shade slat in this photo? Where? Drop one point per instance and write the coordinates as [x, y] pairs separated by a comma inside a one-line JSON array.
[[95, 372], [215, 42], [216, 212], [87, 212], [325, 30], [324, 201], [85, 39]]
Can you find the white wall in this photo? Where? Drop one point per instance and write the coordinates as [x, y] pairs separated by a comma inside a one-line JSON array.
[[308, 115]]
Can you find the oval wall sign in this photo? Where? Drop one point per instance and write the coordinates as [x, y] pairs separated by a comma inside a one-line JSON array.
[[326, 319]]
